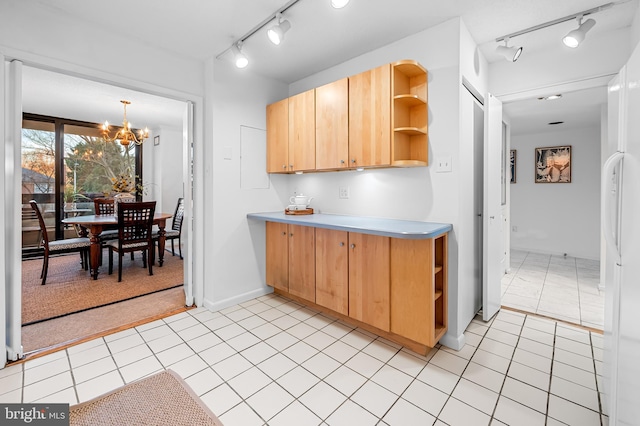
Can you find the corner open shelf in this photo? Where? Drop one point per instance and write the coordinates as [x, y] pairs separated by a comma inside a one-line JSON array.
[[410, 116]]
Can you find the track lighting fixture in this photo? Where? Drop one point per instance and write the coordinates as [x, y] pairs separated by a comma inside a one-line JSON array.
[[239, 58], [339, 4], [510, 53], [575, 37], [276, 32]]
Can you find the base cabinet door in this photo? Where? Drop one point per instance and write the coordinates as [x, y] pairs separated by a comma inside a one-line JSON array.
[[369, 272], [412, 289], [332, 270], [302, 262], [278, 255]]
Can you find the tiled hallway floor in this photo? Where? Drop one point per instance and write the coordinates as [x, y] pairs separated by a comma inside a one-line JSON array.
[[565, 288], [271, 361]]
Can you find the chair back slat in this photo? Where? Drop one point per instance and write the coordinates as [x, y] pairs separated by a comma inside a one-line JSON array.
[[43, 226], [135, 222], [103, 206], [178, 216]]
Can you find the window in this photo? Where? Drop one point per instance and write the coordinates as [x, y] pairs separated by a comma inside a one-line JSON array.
[[65, 165]]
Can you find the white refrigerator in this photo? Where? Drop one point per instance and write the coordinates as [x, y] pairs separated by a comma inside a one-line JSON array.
[[621, 229]]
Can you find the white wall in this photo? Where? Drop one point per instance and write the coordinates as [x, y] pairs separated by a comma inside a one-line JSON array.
[[163, 168], [235, 246], [558, 218]]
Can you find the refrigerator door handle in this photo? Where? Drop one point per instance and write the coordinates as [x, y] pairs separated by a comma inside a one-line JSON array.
[[607, 206]]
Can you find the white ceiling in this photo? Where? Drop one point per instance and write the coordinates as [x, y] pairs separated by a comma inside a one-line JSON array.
[[320, 36]]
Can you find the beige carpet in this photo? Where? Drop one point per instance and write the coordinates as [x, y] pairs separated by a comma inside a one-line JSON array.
[[70, 289], [99, 321], [161, 399]]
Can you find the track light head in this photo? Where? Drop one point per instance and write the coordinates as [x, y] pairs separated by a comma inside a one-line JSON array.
[[575, 37], [510, 53], [276, 32], [339, 4], [239, 58]]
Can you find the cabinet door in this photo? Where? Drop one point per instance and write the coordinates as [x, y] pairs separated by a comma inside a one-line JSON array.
[[277, 255], [332, 270], [302, 262], [369, 271], [332, 125], [412, 289], [370, 118], [302, 131], [278, 137]]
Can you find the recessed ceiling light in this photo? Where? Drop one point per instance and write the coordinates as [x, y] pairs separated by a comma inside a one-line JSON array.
[[550, 97], [553, 123]]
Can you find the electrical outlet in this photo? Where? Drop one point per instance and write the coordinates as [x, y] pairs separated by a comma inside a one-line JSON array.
[[443, 164], [343, 192]]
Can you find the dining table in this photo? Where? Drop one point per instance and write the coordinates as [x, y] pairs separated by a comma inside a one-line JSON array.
[[93, 225]]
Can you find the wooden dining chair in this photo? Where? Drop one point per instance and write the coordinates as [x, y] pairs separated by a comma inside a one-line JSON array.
[[103, 206], [69, 245], [176, 228], [135, 222]]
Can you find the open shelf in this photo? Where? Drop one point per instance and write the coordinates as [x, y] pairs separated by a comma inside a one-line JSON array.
[[409, 114]]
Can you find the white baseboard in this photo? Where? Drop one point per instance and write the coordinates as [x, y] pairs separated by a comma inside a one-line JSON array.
[[241, 298], [453, 342]]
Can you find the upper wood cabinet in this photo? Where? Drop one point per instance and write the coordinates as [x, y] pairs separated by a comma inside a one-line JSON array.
[[370, 118], [378, 118], [302, 132], [332, 125], [278, 137]]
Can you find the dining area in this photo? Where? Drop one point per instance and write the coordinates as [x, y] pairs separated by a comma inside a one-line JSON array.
[[127, 226]]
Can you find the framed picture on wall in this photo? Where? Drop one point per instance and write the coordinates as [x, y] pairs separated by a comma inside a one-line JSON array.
[[553, 164], [512, 163]]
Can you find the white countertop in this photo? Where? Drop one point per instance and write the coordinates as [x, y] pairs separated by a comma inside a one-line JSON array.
[[394, 228]]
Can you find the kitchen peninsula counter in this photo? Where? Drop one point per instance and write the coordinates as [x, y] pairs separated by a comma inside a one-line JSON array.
[[394, 228], [387, 276]]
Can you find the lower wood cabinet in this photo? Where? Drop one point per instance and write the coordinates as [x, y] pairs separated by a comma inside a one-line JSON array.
[[394, 287], [332, 270], [291, 259], [369, 279]]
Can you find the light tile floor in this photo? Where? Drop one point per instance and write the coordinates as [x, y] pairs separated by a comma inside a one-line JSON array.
[[272, 361], [565, 288]]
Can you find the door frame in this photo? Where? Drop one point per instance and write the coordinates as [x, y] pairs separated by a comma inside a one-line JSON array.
[[194, 210]]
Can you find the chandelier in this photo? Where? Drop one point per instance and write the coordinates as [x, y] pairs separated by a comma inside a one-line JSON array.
[[125, 135]]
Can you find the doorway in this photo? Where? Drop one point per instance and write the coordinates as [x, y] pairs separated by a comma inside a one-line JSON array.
[[554, 228], [150, 155]]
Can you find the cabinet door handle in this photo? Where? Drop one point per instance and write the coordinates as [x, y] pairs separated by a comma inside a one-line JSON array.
[[284, 233], [284, 166], [291, 234], [291, 166], [353, 246], [353, 160], [341, 161], [341, 244]]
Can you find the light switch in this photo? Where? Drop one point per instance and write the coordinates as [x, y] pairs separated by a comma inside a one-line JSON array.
[[227, 152], [443, 164]]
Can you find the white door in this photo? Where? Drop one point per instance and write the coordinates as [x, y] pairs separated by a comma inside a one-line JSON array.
[[11, 236], [491, 212], [187, 184]]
